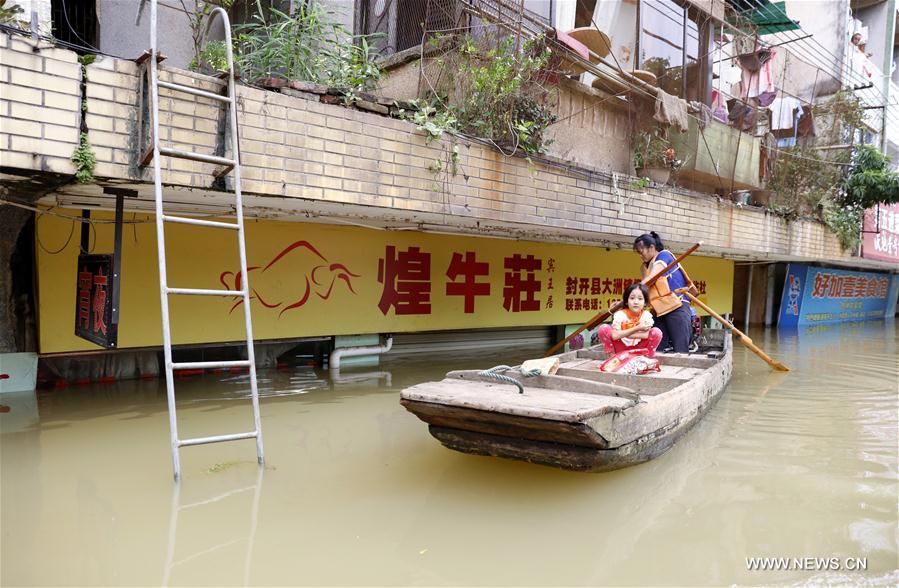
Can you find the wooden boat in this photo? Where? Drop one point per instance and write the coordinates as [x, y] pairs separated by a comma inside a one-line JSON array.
[[579, 418]]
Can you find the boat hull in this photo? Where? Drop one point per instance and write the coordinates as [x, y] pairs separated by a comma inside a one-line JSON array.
[[597, 442]]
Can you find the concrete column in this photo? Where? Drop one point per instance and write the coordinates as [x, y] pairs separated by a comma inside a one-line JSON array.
[[748, 299], [890, 32], [12, 220], [769, 303]]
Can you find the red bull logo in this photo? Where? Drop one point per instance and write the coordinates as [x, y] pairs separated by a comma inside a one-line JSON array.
[[300, 261]]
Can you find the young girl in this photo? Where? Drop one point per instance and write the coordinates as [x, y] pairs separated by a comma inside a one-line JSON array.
[[631, 326]]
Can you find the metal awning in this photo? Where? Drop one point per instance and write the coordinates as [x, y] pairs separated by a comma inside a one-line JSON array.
[[769, 17]]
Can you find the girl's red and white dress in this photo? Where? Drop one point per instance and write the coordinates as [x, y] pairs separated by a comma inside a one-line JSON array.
[[623, 320]]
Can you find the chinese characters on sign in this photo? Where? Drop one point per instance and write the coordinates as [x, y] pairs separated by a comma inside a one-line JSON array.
[[318, 279], [819, 295], [468, 287], [406, 279], [586, 293], [833, 286], [881, 233], [93, 311], [521, 282]]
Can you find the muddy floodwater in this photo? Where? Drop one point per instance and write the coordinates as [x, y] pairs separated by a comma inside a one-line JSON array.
[[355, 491]]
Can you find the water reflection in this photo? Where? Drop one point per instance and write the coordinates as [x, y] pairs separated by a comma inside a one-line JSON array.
[[209, 505], [356, 492], [19, 410], [370, 378]]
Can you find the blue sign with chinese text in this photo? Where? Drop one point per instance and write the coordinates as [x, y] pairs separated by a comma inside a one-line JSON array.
[[817, 295]]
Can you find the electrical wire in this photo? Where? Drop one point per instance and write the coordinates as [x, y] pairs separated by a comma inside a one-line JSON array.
[[542, 29], [13, 29], [706, 55], [49, 211], [60, 42], [811, 54], [65, 13], [769, 11], [803, 53], [40, 244]]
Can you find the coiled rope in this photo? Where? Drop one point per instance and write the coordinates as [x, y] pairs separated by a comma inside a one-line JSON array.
[[494, 373]]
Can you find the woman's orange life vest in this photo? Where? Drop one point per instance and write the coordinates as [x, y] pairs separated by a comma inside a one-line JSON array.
[[661, 298]]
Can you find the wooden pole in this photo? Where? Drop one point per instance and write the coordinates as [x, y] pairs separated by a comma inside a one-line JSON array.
[[743, 338], [606, 313]]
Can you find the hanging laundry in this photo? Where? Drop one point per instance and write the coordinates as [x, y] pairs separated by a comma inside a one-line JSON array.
[[860, 63], [759, 82], [806, 125], [720, 106], [768, 155], [741, 115], [703, 113], [744, 44], [783, 112], [671, 110]]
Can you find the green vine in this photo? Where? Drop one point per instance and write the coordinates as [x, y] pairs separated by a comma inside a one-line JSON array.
[[9, 16], [494, 88], [846, 114], [846, 223], [214, 55], [433, 122], [805, 181], [640, 184], [85, 160], [836, 191]]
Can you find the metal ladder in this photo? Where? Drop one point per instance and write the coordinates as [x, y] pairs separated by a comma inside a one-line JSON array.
[[233, 165]]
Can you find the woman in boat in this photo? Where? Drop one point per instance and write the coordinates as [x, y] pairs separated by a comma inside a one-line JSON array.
[[672, 311], [632, 326]]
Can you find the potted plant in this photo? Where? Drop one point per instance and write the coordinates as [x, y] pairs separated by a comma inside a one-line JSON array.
[[654, 157], [763, 197]]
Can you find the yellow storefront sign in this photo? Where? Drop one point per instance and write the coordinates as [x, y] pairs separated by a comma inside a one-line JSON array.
[[309, 279]]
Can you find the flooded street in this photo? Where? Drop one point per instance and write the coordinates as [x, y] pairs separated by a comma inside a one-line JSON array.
[[357, 492]]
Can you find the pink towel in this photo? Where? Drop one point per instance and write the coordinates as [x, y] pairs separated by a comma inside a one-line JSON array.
[[573, 44]]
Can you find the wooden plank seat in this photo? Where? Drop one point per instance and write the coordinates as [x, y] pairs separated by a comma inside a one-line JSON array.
[[504, 398]]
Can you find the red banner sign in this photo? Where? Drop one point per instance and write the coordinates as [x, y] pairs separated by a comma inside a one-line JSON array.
[[881, 233], [93, 300]]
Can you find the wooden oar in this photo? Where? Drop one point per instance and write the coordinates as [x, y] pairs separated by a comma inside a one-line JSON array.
[[743, 338], [605, 314]]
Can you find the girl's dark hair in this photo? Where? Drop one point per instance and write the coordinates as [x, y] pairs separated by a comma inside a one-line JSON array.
[[631, 288], [650, 238]]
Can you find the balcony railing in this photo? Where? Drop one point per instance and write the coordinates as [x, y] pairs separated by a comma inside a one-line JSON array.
[[892, 110], [871, 84], [720, 156]]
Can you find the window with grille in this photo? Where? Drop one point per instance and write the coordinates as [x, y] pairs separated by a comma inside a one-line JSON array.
[[673, 43], [75, 22], [401, 24]]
